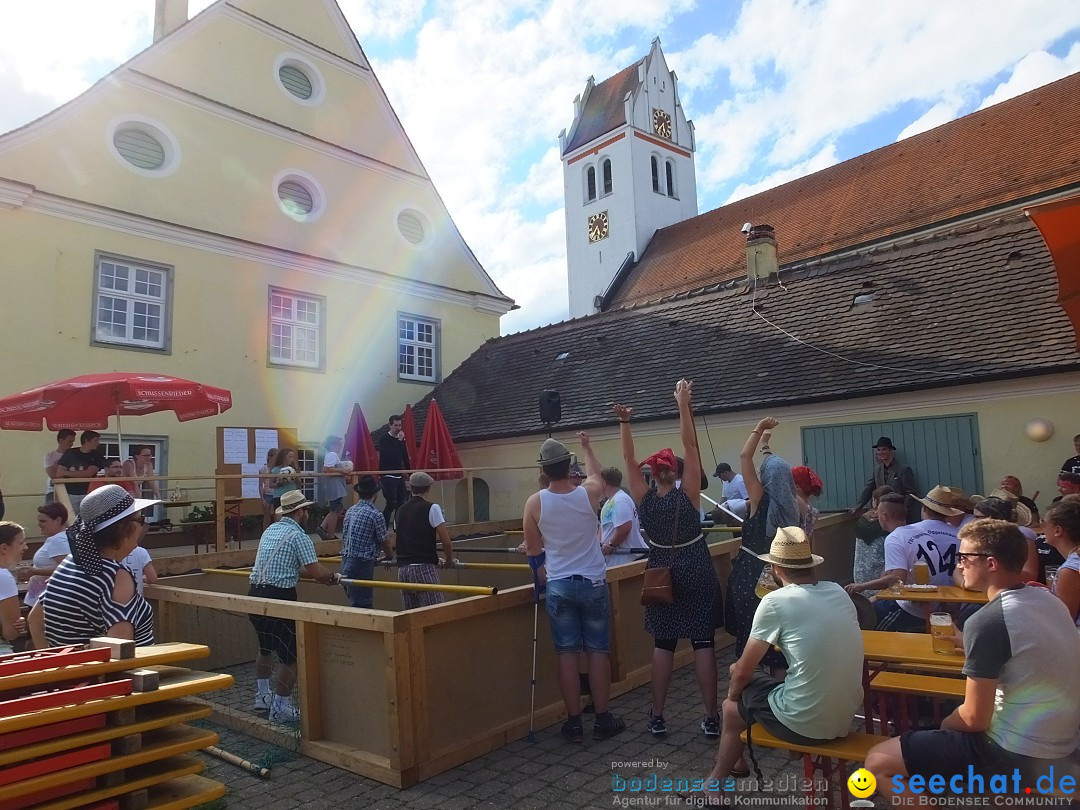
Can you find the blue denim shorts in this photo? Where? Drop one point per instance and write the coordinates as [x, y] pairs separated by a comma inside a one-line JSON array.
[[579, 614]]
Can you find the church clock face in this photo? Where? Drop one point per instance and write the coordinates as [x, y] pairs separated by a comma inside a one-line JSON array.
[[661, 124], [598, 226]]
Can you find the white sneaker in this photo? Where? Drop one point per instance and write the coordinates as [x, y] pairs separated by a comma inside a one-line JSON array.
[[263, 701], [282, 712]]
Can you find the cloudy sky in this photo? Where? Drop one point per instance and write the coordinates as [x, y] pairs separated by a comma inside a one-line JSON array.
[[776, 89]]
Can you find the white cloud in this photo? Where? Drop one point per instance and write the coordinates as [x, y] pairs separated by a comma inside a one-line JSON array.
[[941, 113], [822, 160], [1034, 70]]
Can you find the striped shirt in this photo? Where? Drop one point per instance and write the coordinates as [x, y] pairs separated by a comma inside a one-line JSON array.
[[363, 532], [284, 549], [79, 606]]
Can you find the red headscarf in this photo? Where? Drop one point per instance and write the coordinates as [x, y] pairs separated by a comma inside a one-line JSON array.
[[807, 480], [662, 458]]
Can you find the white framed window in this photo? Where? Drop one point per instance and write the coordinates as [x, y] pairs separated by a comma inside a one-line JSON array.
[[306, 459], [132, 303], [296, 329], [605, 170], [669, 171], [655, 167], [418, 348]]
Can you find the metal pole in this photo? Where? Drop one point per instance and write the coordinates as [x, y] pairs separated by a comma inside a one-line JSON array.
[[532, 690]]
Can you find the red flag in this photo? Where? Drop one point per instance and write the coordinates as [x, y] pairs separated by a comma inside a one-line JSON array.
[[437, 449]]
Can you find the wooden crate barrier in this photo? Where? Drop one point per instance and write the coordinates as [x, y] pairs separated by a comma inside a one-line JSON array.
[[438, 685], [75, 732]]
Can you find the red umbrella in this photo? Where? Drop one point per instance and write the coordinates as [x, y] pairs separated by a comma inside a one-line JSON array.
[[437, 449], [358, 444], [408, 424], [88, 401]]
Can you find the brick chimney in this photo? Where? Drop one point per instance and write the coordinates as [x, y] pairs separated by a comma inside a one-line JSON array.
[[168, 16], [761, 254]]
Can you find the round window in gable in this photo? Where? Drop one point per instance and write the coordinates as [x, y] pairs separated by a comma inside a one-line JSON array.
[[142, 145], [299, 79], [295, 81], [299, 195], [413, 226], [139, 148]]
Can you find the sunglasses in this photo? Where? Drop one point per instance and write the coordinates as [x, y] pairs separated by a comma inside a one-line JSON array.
[[964, 556]]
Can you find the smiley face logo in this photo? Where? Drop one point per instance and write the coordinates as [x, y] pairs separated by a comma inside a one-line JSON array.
[[862, 783]]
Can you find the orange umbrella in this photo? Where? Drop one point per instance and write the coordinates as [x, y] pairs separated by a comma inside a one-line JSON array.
[[1059, 224], [437, 451], [358, 443]]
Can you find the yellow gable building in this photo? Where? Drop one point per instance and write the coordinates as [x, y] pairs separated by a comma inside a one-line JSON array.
[[238, 204]]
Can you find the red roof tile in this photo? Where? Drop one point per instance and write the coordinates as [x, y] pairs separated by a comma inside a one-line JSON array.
[[1008, 153]]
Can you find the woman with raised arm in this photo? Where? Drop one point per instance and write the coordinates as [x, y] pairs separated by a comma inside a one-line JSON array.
[[772, 505], [669, 517]]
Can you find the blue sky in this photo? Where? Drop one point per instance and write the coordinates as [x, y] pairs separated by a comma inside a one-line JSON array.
[[776, 89]]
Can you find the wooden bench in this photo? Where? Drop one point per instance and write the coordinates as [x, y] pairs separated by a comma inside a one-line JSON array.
[[909, 687], [830, 759]]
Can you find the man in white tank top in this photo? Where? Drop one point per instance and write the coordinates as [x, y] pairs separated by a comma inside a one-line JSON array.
[[560, 527]]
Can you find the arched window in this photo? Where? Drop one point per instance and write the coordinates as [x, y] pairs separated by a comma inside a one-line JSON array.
[[606, 171], [655, 173], [669, 168], [590, 184]]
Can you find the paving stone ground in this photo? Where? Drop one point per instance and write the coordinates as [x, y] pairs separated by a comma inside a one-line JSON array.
[[547, 774]]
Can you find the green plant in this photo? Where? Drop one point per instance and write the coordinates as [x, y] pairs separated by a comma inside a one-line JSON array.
[[199, 514]]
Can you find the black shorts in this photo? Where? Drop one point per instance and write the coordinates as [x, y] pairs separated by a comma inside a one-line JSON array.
[[946, 753], [276, 636], [754, 708]]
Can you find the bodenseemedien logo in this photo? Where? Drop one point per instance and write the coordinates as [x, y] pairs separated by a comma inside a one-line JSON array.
[[862, 784]]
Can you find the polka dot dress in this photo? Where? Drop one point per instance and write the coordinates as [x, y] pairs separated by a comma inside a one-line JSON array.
[[693, 578], [741, 600]]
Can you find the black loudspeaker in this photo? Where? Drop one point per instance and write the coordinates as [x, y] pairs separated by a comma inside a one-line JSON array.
[[550, 406]]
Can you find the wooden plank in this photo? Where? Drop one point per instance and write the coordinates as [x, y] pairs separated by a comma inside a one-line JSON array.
[[63, 697], [852, 748], [188, 791], [418, 685], [310, 689], [138, 778], [27, 771], [166, 742], [18, 663], [20, 739], [618, 632], [28, 799], [191, 683], [925, 685], [156, 716], [144, 656], [400, 718]]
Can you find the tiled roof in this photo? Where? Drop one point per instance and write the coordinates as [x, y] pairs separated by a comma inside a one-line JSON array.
[[972, 305], [604, 108], [1010, 152]]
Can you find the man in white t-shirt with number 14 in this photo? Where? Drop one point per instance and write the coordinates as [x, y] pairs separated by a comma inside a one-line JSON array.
[[619, 527]]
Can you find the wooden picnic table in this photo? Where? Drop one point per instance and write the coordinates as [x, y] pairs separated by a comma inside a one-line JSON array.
[[943, 593], [882, 648]]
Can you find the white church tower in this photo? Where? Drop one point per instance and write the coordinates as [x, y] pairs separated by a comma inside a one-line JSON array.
[[628, 169]]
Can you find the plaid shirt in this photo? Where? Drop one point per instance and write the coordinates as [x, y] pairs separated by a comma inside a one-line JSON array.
[[284, 549], [363, 532]]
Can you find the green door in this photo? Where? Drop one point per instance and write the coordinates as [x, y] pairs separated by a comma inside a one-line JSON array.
[[940, 450]]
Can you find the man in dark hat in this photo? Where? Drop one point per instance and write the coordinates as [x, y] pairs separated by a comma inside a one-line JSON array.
[[888, 472], [362, 535]]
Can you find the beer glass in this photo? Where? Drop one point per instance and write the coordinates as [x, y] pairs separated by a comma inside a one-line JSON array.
[[922, 572], [941, 633]]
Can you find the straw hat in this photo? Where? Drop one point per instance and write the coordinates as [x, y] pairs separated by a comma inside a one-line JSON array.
[[1022, 512], [791, 549], [291, 501], [940, 500]]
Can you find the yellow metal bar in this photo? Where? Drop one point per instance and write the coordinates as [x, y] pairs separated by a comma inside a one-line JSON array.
[[475, 590], [496, 566], [722, 529]]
